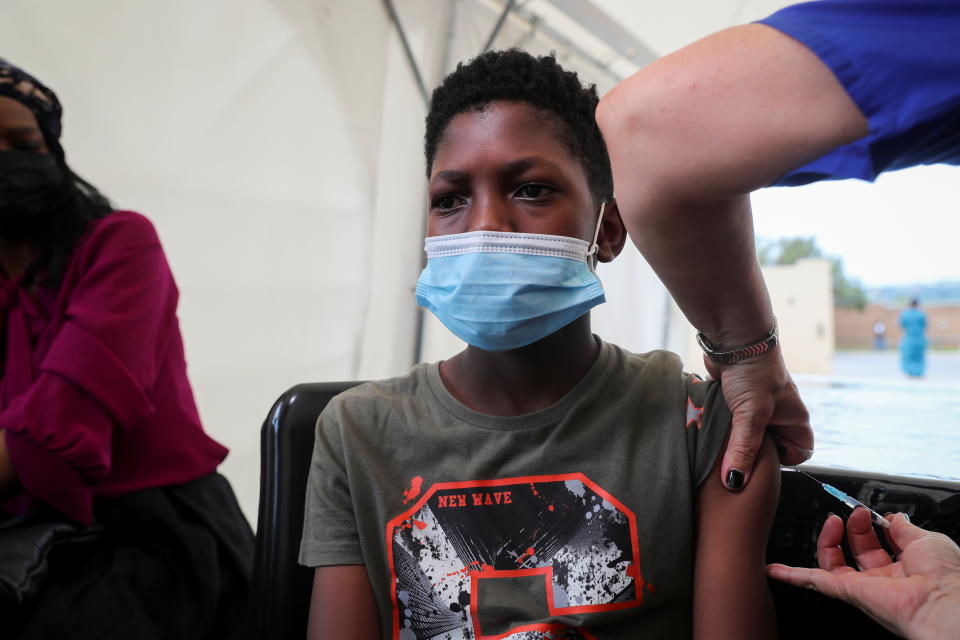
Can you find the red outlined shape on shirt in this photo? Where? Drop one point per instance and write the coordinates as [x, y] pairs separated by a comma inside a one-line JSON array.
[[547, 573], [487, 572]]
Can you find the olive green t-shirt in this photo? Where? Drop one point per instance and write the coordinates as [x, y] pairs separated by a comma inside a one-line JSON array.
[[576, 521]]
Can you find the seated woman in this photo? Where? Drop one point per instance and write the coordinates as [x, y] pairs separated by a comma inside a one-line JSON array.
[[97, 418], [542, 483]]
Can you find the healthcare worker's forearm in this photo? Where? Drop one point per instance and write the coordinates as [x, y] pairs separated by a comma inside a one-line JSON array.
[[723, 292], [705, 254], [691, 135]]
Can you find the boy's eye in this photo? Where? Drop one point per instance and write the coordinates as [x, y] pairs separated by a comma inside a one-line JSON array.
[[446, 202], [532, 191]]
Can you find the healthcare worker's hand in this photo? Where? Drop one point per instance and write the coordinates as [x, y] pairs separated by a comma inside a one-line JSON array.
[[917, 596], [761, 395]]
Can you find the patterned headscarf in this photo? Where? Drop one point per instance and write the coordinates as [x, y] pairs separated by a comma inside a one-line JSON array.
[[24, 88]]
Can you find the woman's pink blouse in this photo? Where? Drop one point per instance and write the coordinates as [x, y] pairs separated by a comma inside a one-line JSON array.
[[94, 395]]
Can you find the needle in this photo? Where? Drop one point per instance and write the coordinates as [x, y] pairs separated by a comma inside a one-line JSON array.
[[850, 501]]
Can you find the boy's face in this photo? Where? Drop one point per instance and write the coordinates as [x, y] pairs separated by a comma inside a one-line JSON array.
[[505, 169]]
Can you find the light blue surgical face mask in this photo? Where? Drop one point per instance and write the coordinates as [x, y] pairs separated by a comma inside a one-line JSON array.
[[499, 291]]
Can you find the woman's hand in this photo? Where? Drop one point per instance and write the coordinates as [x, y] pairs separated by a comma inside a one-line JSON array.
[[916, 596], [761, 395]]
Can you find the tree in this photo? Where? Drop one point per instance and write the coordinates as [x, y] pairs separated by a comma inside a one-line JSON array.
[[847, 292]]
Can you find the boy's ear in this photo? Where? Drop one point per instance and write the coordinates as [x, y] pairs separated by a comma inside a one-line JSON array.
[[613, 235]]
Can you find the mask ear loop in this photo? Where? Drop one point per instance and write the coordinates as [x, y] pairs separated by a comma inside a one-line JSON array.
[[594, 247]]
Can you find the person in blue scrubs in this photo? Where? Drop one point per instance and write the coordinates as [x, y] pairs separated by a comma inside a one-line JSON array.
[[913, 345], [822, 90]]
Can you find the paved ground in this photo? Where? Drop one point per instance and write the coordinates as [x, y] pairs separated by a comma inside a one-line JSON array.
[[871, 417], [943, 366]]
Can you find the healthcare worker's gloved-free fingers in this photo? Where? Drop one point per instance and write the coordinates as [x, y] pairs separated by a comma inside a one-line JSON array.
[[864, 544], [761, 396]]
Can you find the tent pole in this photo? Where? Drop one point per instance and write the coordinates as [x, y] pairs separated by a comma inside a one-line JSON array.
[[496, 28], [537, 23], [395, 18], [448, 45], [441, 71]]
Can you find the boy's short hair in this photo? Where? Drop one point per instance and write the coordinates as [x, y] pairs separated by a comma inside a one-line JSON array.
[[516, 76]]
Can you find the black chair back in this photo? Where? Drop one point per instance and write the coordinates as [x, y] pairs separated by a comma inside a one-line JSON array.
[[281, 587]]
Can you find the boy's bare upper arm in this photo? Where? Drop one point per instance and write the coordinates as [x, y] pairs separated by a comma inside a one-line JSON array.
[[731, 598], [342, 604]]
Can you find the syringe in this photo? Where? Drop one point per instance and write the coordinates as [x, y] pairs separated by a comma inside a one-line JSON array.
[[848, 500]]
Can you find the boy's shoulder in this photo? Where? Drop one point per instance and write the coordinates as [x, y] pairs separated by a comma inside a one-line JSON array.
[[657, 373], [658, 360], [660, 369], [658, 363], [377, 395]]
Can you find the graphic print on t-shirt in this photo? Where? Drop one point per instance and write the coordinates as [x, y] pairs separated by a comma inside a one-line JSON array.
[[496, 559]]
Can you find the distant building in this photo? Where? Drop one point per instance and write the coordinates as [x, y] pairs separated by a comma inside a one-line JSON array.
[[802, 297]]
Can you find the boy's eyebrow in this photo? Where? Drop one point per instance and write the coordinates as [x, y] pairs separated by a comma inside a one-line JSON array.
[[523, 164], [451, 175], [513, 168]]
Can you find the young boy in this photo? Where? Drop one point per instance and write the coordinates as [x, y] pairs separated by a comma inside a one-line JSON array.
[[541, 483]]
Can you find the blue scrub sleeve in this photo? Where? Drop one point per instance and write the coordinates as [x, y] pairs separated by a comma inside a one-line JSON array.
[[899, 60]]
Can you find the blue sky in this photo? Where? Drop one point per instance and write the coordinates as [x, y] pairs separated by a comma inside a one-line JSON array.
[[902, 229]]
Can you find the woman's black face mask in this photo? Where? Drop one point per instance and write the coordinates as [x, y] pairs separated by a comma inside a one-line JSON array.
[[30, 185]]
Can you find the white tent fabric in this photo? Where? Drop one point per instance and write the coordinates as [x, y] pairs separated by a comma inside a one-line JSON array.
[[276, 144]]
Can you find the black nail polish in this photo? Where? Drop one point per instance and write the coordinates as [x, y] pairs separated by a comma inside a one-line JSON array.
[[734, 479]]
